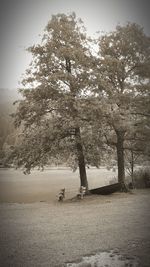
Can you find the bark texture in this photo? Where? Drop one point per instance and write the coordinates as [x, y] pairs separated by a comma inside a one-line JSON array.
[[120, 158], [81, 160]]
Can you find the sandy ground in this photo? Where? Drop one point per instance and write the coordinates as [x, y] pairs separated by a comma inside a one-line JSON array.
[[49, 233]]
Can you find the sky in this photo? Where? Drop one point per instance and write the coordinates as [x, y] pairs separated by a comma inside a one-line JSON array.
[[22, 21]]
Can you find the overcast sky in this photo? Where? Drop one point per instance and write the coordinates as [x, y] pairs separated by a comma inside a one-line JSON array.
[[21, 22]]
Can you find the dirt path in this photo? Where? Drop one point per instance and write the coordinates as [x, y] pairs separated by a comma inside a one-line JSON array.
[[52, 234]]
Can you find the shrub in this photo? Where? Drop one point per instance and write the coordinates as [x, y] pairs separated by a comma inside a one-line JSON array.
[[142, 178]]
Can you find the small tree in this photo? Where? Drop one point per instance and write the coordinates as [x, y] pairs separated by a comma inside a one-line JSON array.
[[131, 158]]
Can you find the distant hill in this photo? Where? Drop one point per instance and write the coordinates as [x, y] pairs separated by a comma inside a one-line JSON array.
[[7, 98], [8, 95]]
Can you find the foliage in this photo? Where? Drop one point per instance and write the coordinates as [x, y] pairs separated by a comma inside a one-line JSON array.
[[52, 113], [142, 178], [75, 104], [124, 54]]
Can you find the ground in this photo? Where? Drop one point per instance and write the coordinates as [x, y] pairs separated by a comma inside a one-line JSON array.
[[37, 230]]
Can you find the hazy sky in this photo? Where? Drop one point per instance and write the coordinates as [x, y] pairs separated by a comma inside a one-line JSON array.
[[21, 22]]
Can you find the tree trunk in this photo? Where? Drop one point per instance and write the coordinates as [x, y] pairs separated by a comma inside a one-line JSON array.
[[79, 147], [132, 167], [120, 159], [81, 160]]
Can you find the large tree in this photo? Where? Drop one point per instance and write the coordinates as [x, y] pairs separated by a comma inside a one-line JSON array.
[[56, 86], [124, 57]]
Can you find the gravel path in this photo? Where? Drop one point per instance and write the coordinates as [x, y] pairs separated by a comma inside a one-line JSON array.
[[53, 234]]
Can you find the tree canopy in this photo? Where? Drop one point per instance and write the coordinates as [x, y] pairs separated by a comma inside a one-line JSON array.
[[57, 86], [75, 103]]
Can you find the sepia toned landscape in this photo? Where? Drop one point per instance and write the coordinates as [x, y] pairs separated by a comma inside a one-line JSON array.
[[74, 133]]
